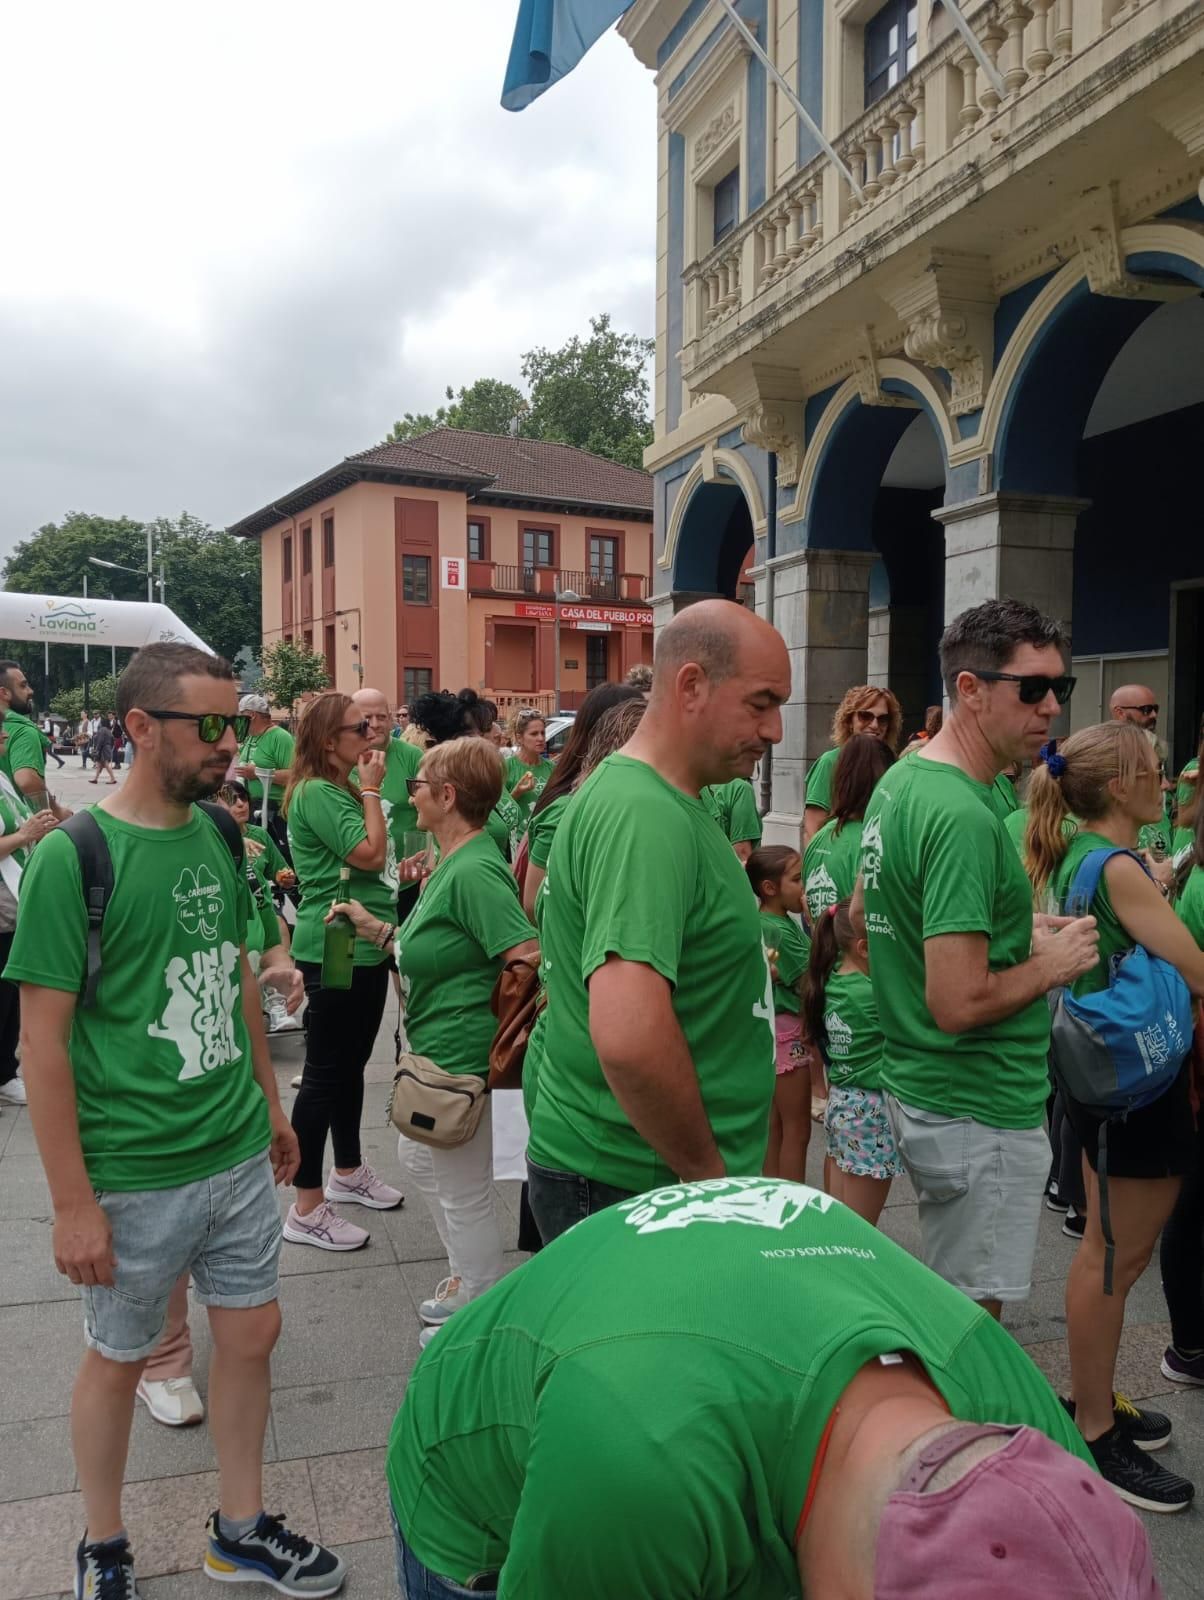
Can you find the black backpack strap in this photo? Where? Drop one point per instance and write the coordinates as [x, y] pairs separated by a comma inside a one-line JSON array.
[[227, 827], [96, 879]]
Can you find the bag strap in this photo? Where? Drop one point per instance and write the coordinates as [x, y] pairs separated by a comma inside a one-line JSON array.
[[227, 827], [1090, 869], [96, 879]]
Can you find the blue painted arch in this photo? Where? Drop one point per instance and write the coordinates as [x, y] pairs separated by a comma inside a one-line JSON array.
[[714, 538]]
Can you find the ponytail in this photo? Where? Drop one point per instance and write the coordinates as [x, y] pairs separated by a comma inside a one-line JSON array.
[[768, 864], [1044, 835], [832, 935]]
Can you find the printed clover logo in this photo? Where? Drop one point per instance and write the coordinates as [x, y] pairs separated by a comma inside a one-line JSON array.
[[198, 901]]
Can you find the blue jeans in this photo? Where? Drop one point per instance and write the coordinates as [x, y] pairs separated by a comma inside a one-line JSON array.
[[420, 1583], [559, 1199]]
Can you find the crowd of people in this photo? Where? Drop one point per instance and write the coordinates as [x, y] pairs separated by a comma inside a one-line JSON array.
[[783, 1401]]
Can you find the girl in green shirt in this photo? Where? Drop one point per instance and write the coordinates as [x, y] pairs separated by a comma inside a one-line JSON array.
[[775, 873], [840, 1015]]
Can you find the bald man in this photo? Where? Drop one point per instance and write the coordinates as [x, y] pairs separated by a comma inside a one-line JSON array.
[[656, 1059], [1136, 703], [402, 761]]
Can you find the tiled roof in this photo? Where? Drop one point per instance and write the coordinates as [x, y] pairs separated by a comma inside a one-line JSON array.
[[489, 467]]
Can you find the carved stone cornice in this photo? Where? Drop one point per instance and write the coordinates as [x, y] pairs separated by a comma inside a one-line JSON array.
[[716, 133], [865, 370], [1097, 231], [948, 310], [777, 425]]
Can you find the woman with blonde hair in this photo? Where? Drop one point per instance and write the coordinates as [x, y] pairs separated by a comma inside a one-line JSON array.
[[527, 771], [865, 709], [332, 825], [1108, 777]]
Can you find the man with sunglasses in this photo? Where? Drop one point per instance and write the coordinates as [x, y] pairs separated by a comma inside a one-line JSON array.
[[1136, 703], [156, 1113], [960, 971]]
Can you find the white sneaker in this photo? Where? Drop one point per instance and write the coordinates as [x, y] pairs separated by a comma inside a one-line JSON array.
[[425, 1337], [295, 1082], [276, 1009], [448, 1297], [325, 1228], [13, 1092], [363, 1188], [174, 1402]]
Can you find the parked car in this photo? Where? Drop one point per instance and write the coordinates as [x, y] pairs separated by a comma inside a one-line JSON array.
[[558, 729]]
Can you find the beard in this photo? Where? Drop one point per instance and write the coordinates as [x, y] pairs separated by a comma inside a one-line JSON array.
[[184, 784]]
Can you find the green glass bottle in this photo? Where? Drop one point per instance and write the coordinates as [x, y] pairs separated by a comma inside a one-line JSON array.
[[338, 948]]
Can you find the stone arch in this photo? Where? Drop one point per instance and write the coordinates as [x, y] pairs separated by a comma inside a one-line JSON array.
[[718, 512]]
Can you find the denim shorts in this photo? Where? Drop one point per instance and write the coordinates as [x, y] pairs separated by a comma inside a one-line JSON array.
[[420, 1583], [980, 1192], [224, 1230]]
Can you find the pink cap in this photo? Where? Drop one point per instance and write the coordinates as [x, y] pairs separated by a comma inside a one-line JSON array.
[[1027, 1521]]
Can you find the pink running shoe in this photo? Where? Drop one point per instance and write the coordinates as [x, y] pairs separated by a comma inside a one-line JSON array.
[[324, 1228], [362, 1188]]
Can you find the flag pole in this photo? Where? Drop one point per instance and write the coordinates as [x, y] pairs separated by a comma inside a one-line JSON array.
[[801, 111]]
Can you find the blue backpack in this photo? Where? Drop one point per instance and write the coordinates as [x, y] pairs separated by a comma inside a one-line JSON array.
[[1120, 1048]]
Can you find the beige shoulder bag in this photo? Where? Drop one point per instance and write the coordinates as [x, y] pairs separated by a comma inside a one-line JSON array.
[[435, 1107]]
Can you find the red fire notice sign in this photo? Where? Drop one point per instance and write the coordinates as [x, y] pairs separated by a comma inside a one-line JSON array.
[[453, 572], [573, 613]]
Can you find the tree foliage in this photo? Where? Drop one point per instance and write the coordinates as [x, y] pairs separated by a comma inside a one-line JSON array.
[[212, 584], [289, 671], [592, 393]]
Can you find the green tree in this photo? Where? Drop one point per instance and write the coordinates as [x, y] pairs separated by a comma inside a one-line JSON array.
[[212, 584], [487, 406], [289, 671], [590, 392], [69, 703]]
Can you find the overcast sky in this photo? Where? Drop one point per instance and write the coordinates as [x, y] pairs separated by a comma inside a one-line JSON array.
[[241, 239]]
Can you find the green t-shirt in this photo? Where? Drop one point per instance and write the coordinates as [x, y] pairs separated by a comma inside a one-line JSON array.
[[162, 1062], [1004, 802], [1185, 792], [819, 779], [263, 931], [1155, 836], [516, 768], [642, 872], [271, 748], [936, 860], [1112, 937], [610, 1423], [854, 1051], [541, 830], [831, 865], [26, 747], [784, 935], [273, 861], [505, 824], [447, 954], [734, 807], [401, 814], [325, 823], [1190, 904]]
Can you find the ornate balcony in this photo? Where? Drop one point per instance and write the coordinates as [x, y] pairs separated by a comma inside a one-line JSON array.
[[500, 578]]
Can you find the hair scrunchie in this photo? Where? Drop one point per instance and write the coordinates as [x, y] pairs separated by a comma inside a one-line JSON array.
[[1055, 762]]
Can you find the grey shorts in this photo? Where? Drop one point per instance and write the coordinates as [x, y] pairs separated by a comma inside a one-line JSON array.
[[225, 1230], [979, 1190]]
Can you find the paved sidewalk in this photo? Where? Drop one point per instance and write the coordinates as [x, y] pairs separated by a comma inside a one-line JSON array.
[[350, 1339]]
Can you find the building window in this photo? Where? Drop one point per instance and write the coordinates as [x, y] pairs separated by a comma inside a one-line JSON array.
[[537, 547], [603, 556], [597, 654], [416, 580], [417, 681], [307, 639], [890, 47], [307, 550], [287, 559], [478, 542], [727, 204], [328, 651], [328, 541]]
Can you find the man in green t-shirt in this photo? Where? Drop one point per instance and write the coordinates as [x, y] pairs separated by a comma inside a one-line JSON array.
[[24, 760], [268, 747], [959, 967], [739, 1388], [734, 807], [657, 1054], [155, 1109], [402, 761]]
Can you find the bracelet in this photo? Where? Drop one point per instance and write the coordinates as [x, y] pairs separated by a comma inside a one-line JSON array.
[[382, 940], [375, 792]]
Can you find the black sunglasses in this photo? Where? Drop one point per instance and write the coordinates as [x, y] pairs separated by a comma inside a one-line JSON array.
[[880, 718], [1146, 711], [361, 727], [413, 784], [1034, 686], [209, 726]]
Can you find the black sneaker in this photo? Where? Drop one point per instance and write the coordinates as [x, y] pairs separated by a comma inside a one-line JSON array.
[[271, 1553], [1137, 1479], [1073, 1226], [1052, 1203], [1148, 1430], [105, 1571]]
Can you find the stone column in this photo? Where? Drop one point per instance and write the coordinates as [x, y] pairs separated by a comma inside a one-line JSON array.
[[1011, 546], [821, 609]]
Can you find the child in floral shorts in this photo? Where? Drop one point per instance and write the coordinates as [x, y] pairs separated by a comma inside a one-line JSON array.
[[775, 872], [840, 1015]]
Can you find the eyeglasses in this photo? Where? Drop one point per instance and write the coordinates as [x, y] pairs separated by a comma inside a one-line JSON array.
[[209, 726], [413, 784], [231, 797], [881, 718], [1146, 711], [1034, 686], [361, 727]]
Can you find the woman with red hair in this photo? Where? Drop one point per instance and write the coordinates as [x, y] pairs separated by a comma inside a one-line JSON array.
[[865, 709]]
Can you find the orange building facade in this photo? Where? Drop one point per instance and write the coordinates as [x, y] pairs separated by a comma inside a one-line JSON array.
[[461, 559]]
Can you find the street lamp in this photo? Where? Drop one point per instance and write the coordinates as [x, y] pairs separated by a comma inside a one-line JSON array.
[[139, 572], [562, 597]]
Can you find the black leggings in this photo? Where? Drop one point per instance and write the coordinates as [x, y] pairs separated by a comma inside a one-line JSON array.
[[343, 1024], [1182, 1256], [10, 1015]]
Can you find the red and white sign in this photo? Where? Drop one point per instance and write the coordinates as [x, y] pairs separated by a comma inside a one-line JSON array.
[[455, 575], [584, 614]]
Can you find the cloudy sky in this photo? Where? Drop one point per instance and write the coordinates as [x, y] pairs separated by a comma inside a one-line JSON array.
[[242, 239]]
